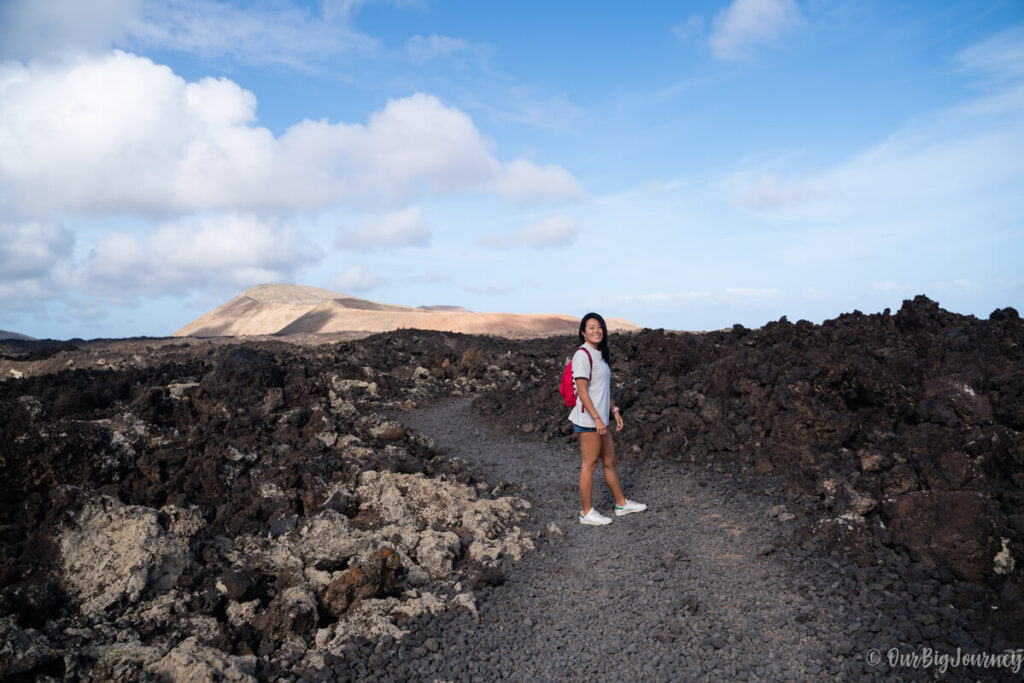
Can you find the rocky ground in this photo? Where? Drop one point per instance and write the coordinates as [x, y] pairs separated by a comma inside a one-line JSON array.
[[267, 510], [713, 582], [900, 431]]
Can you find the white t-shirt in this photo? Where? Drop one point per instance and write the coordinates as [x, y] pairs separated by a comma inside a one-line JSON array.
[[599, 388]]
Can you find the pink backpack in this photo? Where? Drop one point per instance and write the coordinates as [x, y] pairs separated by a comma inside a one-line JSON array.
[[568, 388]]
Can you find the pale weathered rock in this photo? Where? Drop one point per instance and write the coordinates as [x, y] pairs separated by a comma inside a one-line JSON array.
[[515, 543], [420, 603], [117, 552], [182, 391], [124, 658], [383, 430], [436, 551], [1003, 562], [375, 617], [873, 461], [183, 522], [204, 628], [414, 499], [241, 613], [354, 388], [191, 662], [464, 601], [342, 408], [327, 537], [161, 610]]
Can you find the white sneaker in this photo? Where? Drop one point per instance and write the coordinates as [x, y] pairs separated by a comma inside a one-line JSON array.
[[594, 518], [630, 506]]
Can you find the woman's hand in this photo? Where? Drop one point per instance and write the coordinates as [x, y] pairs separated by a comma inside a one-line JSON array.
[[601, 428], [618, 420]]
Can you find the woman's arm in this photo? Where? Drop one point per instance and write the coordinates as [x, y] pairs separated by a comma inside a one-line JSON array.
[[588, 405]]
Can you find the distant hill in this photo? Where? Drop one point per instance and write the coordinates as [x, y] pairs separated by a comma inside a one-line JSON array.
[[296, 309], [4, 334]]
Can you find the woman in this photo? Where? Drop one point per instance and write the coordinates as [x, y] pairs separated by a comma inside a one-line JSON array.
[[593, 379]]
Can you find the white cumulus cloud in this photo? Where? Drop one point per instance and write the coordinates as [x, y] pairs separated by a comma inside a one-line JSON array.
[[30, 29], [525, 181], [405, 228], [232, 250], [119, 134], [33, 258], [745, 24]]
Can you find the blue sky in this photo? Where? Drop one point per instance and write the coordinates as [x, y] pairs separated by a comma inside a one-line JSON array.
[[683, 165]]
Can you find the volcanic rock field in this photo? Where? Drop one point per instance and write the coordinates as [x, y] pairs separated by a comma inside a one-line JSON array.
[[402, 506]]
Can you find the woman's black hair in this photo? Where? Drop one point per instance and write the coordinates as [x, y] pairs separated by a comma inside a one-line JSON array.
[[603, 346]]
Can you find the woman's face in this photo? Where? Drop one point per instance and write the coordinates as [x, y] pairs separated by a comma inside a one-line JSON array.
[[592, 332]]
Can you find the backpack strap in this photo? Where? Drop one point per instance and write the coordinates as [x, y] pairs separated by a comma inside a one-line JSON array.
[[591, 359]]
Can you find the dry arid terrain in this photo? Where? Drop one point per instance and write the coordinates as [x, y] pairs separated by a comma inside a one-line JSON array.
[[252, 509], [295, 309]]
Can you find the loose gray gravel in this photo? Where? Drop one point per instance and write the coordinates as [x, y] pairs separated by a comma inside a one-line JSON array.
[[705, 585]]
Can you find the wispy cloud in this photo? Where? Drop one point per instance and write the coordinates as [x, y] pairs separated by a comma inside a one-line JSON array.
[[422, 48], [949, 165], [255, 34], [258, 35], [556, 231], [751, 292], [888, 286], [747, 24], [768, 191], [661, 297], [490, 288], [356, 279], [999, 58], [512, 103], [691, 29]]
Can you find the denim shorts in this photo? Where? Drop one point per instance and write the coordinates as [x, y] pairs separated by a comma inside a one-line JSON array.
[[582, 430]]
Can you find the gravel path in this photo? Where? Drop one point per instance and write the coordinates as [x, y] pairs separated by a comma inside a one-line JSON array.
[[701, 586]]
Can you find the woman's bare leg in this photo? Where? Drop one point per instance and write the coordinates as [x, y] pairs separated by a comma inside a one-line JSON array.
[[611, 477], [590, 450]]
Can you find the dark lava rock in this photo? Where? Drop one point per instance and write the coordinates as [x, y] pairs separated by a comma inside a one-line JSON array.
[[283, 526], [891, 435], [236, 585], [379, 576], [952, 528], [488, 576], [924, 408]]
